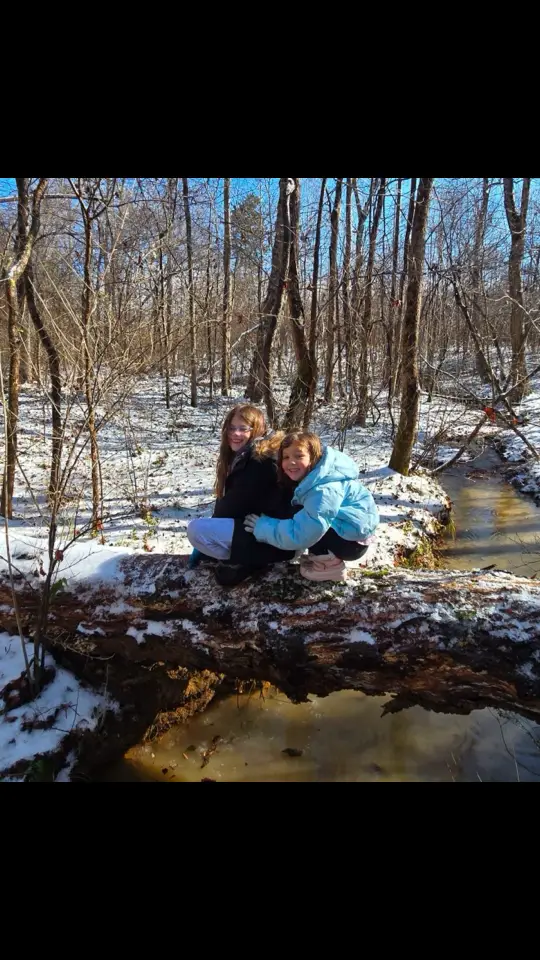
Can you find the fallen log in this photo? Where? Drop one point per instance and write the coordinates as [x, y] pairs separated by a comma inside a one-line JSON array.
[[450, 641]]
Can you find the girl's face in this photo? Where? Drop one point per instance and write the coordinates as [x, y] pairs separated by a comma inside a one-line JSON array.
[[295, 462], [238, 433]]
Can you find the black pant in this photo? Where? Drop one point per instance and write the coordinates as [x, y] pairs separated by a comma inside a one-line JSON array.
[[245, 549], [343, 549]]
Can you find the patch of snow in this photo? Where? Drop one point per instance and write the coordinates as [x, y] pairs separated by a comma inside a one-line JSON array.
[[527, 670], [65, 773], [210, 608], [77, 707], [90, 631], [440, 613], [361, 636], [156, 628], [196, 634]]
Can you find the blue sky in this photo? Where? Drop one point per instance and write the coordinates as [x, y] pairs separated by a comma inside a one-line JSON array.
[[7, 187]]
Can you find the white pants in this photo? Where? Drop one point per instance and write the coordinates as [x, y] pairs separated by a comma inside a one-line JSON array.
[[212, 536]]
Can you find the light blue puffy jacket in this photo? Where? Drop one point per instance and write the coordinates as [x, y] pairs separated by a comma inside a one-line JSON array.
[[332, 496]]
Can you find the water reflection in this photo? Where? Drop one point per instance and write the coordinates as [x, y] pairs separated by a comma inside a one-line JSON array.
[[340, 738], [494, 523]]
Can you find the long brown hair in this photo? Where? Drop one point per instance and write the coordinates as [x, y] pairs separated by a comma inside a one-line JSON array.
[[253, 418], [308, 441]]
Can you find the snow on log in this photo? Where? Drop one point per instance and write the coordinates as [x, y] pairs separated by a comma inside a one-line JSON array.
[[447, 640]]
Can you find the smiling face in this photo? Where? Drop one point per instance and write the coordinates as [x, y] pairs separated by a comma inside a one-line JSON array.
[[295, 462], [238, 433]]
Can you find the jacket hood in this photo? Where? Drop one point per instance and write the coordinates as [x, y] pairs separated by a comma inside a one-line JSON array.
[[333, 466]]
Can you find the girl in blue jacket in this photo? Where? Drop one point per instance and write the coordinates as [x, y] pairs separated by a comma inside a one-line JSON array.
[[336, 513]]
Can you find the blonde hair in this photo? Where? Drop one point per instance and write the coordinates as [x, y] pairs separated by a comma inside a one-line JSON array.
[[308, 441], [253, 418]]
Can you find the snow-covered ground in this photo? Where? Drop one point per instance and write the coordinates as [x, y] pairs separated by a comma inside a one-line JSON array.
[[37, 729], [525, 471], [158, 464], [158, 470]]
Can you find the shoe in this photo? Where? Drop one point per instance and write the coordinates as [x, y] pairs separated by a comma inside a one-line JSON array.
[[308, 559], [229, 574], [324, 567], [194, 559]]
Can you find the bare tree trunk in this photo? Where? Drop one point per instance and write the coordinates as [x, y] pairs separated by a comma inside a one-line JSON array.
[[356, 297], [332, 293], [393, 322], [168, 322], [207, 313], [53, 359], [163, 338], [410, 395], [87, 297], [314, 316], [476, 277], [253, 390], [519, 326], [93, 203], [280, 338], [339, 349], [29, 352], [363, 387], [226, 322], [191, 293], [261, 372], [15, 269], [166, 283], [402, 282], [12, 410], [23, 334], [346, 284], [36, 361], [304, 384]]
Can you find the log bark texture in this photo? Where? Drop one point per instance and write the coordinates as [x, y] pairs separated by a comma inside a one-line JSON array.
[[450, 641]]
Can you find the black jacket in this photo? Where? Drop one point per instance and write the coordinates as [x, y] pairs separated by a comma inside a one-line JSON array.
[[252, 487], [249, 488]]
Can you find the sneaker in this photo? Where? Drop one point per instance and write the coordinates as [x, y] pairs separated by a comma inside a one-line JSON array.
[[325, 567], [308, 559]]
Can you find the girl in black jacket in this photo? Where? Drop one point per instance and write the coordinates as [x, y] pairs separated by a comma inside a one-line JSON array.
[[246, 482]]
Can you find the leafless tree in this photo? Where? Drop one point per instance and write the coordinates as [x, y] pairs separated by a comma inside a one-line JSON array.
[[517, 223], [410, 394], [27, 231]]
